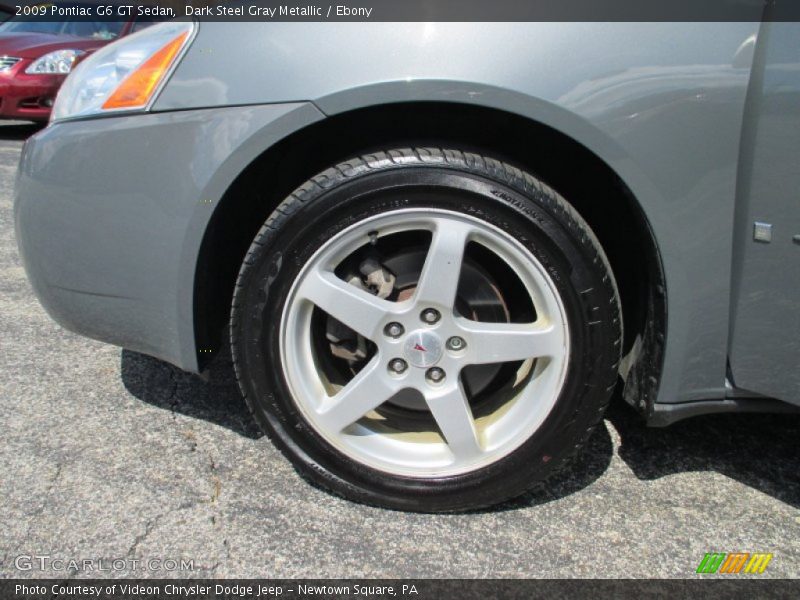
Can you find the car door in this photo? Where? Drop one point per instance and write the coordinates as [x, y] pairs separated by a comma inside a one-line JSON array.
[[765, 328]]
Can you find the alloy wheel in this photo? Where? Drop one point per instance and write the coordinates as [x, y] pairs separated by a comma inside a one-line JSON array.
[[403, 393]]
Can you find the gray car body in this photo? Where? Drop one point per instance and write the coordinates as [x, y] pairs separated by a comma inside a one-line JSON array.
[[112, 212]]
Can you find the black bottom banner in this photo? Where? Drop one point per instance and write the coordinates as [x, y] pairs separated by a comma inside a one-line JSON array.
[[413, 589]]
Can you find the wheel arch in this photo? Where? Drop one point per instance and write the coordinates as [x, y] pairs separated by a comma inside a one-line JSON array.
[[543, 138]]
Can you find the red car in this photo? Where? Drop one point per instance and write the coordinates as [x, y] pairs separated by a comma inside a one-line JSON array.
[[36, 57]]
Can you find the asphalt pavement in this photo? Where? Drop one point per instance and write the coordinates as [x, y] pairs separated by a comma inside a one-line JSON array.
[[114, 459]]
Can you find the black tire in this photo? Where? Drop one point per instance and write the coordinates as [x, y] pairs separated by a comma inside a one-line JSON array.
[[494, 191]]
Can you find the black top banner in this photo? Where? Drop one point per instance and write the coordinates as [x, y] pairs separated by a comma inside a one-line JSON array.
[[419, 10]]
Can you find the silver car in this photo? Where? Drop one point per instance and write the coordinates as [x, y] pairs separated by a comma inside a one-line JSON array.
[[435, 249]]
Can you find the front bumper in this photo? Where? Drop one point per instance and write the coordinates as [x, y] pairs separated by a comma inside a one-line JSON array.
[[110, 214], [28, 97]]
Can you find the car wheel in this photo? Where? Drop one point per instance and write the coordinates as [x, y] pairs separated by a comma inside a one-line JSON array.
[[426, 330]]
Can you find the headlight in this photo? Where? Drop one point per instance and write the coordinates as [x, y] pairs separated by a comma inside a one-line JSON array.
[[125, 75], [59, 62]]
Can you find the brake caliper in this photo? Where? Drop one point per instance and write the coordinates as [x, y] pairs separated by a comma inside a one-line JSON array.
[[375, 279]]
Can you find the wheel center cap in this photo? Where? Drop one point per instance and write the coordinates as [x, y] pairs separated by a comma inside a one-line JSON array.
[[422, 348]]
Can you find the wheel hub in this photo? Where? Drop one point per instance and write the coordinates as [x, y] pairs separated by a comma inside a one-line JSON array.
[[422, 348]]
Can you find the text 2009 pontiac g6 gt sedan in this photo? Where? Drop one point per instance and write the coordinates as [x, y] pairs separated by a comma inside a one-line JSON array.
[[437, 247]]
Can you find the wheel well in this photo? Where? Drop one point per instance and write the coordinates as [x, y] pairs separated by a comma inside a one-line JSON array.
[[590, 185]]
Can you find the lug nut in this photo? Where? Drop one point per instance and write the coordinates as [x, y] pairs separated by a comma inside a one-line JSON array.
[[456, 343], [393, 330], [397, 365], [430, 316], [435, 375]]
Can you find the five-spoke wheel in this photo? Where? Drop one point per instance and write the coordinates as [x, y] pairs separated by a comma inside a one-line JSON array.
[[422, 343]]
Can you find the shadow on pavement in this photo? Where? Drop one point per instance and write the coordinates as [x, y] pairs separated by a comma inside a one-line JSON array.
[[217, 400], [757, 450], [18, 130]]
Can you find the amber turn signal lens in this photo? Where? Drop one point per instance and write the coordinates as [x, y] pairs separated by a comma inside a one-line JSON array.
[[138, 87]]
